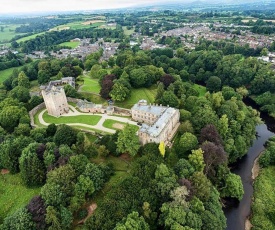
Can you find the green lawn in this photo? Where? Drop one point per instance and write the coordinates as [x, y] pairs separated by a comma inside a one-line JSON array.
[[138, 94], [264, 199], [110, 124], [13, 194], [201, 89], [94, 98], [4, 74], [90, 85], [70, 44], [84, 119]]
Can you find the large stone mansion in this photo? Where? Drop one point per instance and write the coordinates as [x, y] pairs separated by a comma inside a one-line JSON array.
[[159, 123]]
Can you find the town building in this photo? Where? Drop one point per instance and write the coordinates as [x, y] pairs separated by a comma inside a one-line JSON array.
[[159, 123]]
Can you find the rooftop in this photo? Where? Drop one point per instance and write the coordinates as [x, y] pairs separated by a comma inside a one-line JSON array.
[[159, 125]]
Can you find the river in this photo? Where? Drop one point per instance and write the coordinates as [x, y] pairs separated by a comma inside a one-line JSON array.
[[237, 214]]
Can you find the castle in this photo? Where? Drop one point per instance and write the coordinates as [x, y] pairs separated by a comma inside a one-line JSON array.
[[55, 98], [159, 123]]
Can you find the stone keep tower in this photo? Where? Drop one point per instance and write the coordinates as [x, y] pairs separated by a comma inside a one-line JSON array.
[[55, 100]]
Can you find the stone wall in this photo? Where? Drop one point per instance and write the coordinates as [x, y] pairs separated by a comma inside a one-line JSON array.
[[34, 111], [122, 111], [73, 100]]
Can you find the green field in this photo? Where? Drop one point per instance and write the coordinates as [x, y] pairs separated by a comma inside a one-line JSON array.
[[29, 37], [128, 32], [264, 199], [4, 74], [90, 85], [138, 94], [70, 44], [13, 194], [84, 119], [201, 89], [8, 33], [79, 25]]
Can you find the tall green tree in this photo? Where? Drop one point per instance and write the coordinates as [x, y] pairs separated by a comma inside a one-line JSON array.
[[128, 141]]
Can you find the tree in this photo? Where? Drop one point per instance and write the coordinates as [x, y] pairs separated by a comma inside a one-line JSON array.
[[233, 187], [165, 181], [133, 221], [138, 77], [21, 93], [128, 141], [31, 168], [21, 219], [162, 148], [70, 91], [187, 142], [65, 135], [201, 185], [196, 160], [167, 79], [169, 98], [23, 80], [213, 155], [184, 169], [213, 84], [11, 150], [37, 209], [119, 92], [96, 175]]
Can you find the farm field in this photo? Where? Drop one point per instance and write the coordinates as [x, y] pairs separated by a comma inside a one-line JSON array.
[[8, 33], [13, 194], [79, 25]]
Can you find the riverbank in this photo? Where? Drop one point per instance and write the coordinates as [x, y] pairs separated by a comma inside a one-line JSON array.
[[254, 173]]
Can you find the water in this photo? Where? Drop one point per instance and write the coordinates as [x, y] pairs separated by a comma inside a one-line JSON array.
[[237, 214]]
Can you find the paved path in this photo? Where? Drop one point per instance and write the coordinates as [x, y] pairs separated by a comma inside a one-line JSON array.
[[98, 126]]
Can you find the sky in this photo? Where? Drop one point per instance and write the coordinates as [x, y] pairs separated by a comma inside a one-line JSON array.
[[19, 6]]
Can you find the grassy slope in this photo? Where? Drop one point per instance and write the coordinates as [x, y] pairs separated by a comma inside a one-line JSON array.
[[138, 94], [29, 37], [264, 200], [90, 85], [13, 194], [201, 89], [84, 119], [4, 74]]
